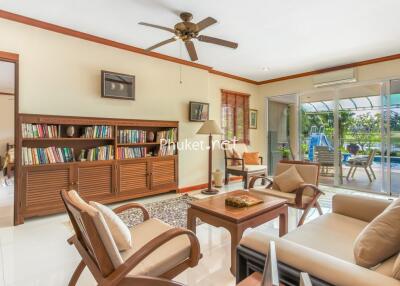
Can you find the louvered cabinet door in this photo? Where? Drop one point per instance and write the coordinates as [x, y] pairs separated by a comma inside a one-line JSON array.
[[133, 177], [42, 188], [164, 174], [94, 181]]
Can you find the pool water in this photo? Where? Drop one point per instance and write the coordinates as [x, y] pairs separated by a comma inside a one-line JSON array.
[[394, 162]]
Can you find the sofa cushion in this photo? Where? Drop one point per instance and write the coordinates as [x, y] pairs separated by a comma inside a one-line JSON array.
[[380, 239], [251, 158], [290, 197], [250, 168], [333, 234], [162, 259], [236, 155], [289, 180], [119, 231], [396, 268], [386, 267]]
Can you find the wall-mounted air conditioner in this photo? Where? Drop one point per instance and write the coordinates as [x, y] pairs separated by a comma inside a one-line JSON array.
[[335, 77]]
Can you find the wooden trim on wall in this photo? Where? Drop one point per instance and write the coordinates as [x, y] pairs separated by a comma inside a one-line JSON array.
[[88, 37], [335, 68], [9, 57]]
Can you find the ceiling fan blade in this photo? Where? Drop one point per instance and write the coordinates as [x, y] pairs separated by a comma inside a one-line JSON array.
[[161, 44], [217, 41], [157, 26], [191, 50], [206, 23]]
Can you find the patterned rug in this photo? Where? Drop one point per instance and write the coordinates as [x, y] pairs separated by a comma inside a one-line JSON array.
[[171, 211]]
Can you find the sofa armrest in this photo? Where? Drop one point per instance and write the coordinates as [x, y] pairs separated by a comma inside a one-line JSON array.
[[320, 265], [358, 207]]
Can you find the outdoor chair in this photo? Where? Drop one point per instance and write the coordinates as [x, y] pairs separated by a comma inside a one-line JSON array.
[[326, 159], [235, 165], [305, 197], [362, 162], [158, 250]]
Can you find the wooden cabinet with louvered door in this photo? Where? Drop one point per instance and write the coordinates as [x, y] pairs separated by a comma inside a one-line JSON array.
[[163, 173], [95, 180], [42, 185], [133, 178]]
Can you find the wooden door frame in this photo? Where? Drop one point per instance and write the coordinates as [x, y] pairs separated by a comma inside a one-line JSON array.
[[14, 58]]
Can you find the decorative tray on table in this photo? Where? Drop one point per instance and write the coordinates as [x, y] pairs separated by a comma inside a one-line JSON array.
[[242, 201]]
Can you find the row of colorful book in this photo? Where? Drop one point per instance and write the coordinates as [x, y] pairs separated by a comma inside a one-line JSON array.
[[97, 154], [170, 135], [98, 131], [49, 155], [131, 152], [167, 150], [132, 136], [39, 131]]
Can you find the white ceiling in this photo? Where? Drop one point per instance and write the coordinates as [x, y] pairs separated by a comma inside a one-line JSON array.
[[6, 77], [284, 36]]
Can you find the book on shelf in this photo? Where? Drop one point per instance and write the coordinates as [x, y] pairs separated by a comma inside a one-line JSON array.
[[171, 135], [98, 132], [49, 155], [131, 152], [132, 136], [97, 154], [167, 150], [39, 130]]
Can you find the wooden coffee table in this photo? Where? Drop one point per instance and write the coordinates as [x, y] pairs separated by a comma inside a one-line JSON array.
[[213, 211]]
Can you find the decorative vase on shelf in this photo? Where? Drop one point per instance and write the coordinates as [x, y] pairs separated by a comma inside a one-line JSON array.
[[150, 136], [70, 131], [218, 178]]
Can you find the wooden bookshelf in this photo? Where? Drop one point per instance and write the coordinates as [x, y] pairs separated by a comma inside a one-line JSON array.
[[106, 181]]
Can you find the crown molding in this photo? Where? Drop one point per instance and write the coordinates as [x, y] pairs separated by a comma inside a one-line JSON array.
[[88, 37]]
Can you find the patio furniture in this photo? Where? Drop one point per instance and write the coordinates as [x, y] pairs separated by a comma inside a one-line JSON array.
[[158, 250], [305, 197], [322, 247], [362, 162], [236, 165], [326, 159]]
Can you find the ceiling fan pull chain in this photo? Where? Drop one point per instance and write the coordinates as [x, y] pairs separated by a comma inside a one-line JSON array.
[[180, 65]]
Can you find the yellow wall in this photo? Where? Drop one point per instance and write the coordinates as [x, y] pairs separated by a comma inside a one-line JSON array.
[[61, 75]]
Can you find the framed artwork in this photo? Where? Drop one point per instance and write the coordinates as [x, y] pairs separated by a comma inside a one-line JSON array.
[[253, 119], [117, 85], [198, 111]]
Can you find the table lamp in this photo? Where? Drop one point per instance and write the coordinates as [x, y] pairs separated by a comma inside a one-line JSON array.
[[210, 128]]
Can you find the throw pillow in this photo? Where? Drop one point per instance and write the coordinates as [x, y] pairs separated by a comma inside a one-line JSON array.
[[380, 238], [236, 155], [289, 180], [119, 231], [76, 199], [396, 268], [251, 158]]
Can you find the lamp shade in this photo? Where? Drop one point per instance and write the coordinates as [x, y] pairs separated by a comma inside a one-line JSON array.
[[210, 127]]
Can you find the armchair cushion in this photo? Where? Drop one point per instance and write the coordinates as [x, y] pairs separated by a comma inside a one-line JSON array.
[[251, 158], [249, 168], [236, 155], [290, 197], [119, 231], [380, 239], [396, 268], [289, 180], [162, 259]]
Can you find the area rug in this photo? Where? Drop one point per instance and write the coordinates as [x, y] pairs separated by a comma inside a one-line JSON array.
[[171, 211]]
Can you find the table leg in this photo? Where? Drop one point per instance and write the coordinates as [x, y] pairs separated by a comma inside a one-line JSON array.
[[191, 221], [283, 222], [236, 236]]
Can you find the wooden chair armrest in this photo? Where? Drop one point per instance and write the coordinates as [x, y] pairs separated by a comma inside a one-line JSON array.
[[154, 244], [255, 178], [128, 206], [300, 191]]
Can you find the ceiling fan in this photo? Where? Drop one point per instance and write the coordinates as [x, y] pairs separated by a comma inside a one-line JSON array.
[[187, 31]]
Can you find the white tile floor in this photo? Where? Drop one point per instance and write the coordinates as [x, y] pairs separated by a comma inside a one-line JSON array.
[[36, 253]]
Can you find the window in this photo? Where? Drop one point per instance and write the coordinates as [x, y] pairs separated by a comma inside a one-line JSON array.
[[235, 115]]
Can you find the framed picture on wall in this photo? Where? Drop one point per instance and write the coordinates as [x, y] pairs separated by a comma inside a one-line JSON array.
[[117, 85], [198, 111], [253, 119]]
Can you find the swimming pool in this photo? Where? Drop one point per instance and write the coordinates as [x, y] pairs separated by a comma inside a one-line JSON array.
[[394, 162]]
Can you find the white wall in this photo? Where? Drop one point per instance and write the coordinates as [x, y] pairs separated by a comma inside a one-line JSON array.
[[61, 75], [6, 122]]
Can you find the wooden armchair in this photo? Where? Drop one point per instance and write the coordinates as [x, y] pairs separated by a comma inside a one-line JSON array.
[[305, 197], [237, 166], [362, 162], [158, 250]]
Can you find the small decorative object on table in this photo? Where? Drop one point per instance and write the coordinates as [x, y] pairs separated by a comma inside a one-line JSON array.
[[218, 178], [242, 201]]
